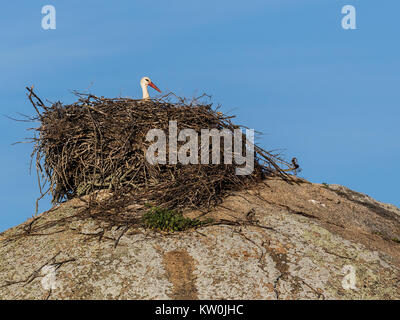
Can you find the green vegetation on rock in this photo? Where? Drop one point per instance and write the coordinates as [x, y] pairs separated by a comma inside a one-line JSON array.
[[169, 220]]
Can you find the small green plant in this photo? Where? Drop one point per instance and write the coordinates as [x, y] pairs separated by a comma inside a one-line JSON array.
[[169, 220], [326, 185]]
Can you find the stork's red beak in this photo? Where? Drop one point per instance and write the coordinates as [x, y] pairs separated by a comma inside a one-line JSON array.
[[151, 84]]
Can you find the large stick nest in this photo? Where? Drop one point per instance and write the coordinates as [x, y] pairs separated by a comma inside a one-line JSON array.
[[99, 143]]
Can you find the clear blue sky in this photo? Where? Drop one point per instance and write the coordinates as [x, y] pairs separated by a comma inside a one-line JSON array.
[[330, 97]]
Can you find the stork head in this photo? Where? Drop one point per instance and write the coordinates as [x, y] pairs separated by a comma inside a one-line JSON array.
[[144, 83]]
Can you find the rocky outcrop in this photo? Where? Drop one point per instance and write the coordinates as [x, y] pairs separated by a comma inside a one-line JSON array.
[[278, 240]]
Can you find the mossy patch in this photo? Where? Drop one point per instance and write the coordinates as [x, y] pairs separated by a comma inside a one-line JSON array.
[[162, 219]]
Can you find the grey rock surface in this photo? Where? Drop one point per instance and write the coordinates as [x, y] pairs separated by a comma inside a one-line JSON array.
[[306, 241]]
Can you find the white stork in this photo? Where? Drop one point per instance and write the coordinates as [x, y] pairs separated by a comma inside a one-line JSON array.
[[144, 83]]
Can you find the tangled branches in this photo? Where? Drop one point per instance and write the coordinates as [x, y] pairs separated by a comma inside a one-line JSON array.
[[99, 143]]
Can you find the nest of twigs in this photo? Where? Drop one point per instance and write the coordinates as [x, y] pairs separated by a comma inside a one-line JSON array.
[[99, 143]]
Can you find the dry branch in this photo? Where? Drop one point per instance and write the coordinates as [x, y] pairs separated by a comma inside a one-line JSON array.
[[99, 143]]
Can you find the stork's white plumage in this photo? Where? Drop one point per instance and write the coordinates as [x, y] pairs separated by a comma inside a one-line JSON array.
[[144, 83]]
